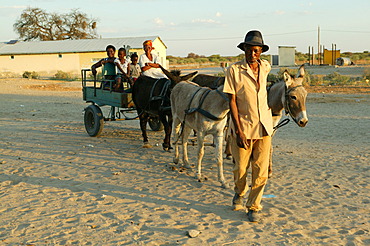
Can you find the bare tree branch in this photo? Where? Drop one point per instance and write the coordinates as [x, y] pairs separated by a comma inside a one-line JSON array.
[[36, 24]]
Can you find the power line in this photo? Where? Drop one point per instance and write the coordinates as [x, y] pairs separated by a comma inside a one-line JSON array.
[[218, 38], [197, 39], [345, 31], [275, 34], [288, 33]]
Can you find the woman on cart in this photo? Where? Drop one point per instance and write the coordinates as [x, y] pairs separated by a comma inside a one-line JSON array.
[[150, 62]]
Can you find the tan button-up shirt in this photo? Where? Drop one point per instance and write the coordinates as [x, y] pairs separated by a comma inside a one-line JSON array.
[[254, 113]]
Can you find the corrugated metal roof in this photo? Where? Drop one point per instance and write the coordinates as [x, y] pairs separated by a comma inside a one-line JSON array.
[[71, 46]]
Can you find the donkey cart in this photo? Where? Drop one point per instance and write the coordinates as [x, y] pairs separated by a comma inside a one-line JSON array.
[[100, 93]]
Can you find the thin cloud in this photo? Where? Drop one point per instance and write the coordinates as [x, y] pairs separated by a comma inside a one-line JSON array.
[[306, 12], [309, 4], [280, 12], [13, 7], [218, 14], [208, 21], [158, 21], [109, 30]]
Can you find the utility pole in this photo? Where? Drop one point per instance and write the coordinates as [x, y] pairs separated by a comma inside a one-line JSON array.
[[318, 44], [332, 54], [313, 56]]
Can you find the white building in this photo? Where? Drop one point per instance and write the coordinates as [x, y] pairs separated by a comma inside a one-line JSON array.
[[286, 56], [47, 57]]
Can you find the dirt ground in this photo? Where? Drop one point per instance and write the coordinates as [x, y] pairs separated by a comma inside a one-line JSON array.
[[58, 186], [51, 85]]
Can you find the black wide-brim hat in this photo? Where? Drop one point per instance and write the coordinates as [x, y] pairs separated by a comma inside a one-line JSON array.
[[253, 38]]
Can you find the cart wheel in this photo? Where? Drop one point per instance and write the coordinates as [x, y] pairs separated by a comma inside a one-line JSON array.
[[155, 124], [94, 120]]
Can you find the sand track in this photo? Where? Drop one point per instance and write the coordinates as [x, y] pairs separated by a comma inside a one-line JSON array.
[[58, 186]]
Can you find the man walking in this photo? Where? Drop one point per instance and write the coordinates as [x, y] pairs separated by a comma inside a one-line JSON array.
[[251, 126]]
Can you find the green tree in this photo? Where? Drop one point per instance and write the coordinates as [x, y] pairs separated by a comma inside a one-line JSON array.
[[36, 24], [192, 55]]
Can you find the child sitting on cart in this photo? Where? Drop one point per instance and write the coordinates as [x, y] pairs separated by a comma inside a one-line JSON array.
[[111, 50], [123, 69], [135, 70]]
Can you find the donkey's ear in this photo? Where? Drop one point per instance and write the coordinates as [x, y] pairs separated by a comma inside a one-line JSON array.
[[189, 76], [301, 72], [168, 74], [287, 79]]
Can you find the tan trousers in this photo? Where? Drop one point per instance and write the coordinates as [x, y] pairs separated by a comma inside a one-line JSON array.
[[256, 156]]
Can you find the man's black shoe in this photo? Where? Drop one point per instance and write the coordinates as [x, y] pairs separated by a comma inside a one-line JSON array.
[[253, 216], [238, 202]]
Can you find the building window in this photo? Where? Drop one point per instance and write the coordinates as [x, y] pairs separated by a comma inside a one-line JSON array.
[[60, 56], [12, 57]]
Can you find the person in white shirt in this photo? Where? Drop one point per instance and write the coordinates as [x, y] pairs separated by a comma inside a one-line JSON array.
[[123, 68], [150, 63]]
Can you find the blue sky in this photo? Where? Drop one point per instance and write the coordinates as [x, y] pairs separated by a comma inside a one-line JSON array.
[[208, 27]]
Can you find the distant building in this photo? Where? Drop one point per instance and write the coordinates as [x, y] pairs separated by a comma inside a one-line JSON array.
[[330, 56], [274, 60], [47, 57], [286, 56]]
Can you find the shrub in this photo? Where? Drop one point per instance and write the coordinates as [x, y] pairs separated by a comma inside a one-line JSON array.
[[214, 59], [26, 75], [201, 60], [99, 76], [220, 74], [30, 75], [308, 78], [8, 75], [272, 78], [63, 75], [335, 78], [315, 79], [190, 60], [264, 57], [35, 75]]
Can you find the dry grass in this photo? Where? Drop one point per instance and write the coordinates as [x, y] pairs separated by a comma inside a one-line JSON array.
[[339, 89], [52, 87]]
